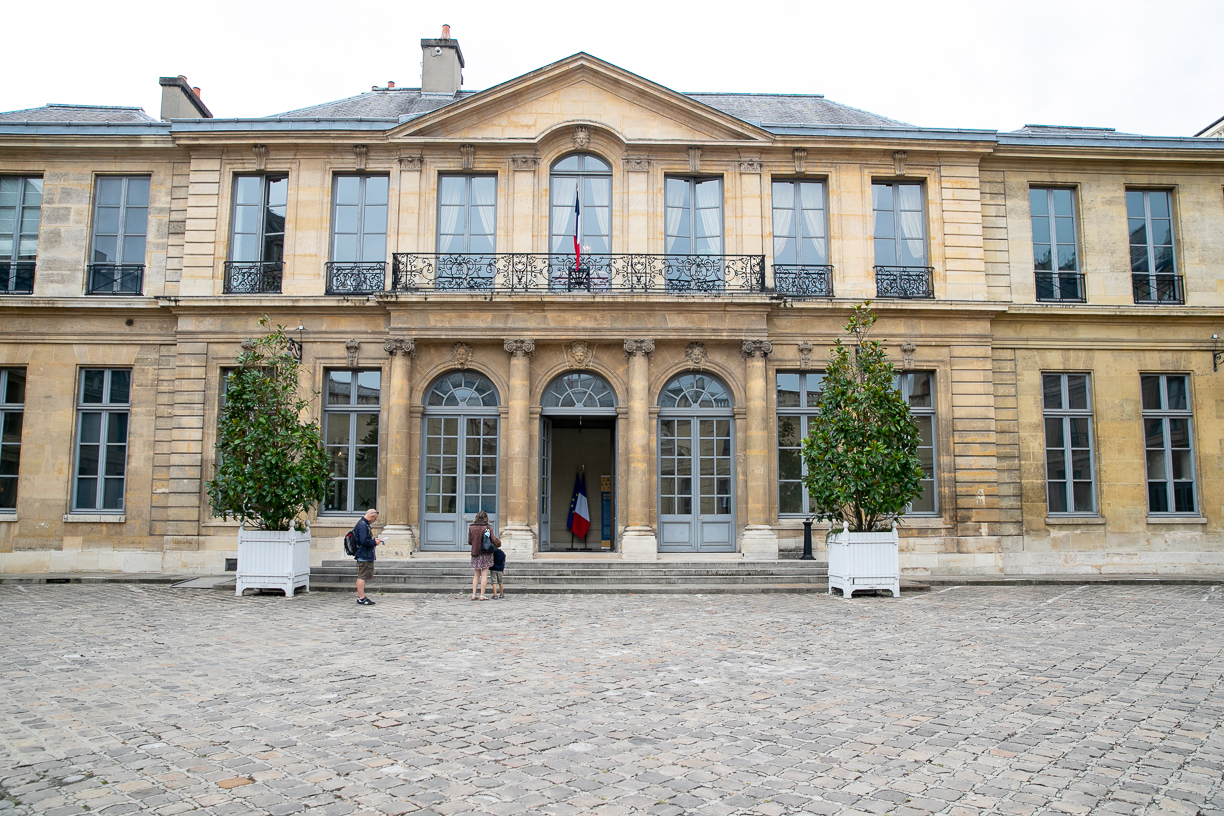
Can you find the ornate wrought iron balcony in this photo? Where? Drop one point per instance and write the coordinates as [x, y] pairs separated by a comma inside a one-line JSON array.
[[905, 281], [803, 281], [17, 277], [115, 279], [597, 274], [1170, 289], [253, 277], [347, 278], [1060, 287]]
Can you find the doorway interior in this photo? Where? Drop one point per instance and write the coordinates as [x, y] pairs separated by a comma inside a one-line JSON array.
[[573, 447]]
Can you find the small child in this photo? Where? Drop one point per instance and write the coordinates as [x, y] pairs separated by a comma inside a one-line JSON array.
[[495, 572]]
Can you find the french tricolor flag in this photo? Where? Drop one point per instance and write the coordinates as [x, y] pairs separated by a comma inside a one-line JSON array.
[[577, 227], [579, 521]]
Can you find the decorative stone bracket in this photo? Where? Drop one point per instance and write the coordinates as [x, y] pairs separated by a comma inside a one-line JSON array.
[[694, 154], [410, 163], [261, 156], [362, 153], [805, 355], [519, 347], [404, 346], [907, 355], [752, 348], [643, 347], [524, 162], [469, 155], [351, 351], [800, 160]]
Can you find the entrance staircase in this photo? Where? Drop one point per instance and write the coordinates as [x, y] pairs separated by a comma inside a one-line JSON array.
[[584, 575]]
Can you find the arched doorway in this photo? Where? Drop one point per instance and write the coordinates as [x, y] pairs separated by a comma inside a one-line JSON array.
[[577, 444], [696, 466], [460, 458]]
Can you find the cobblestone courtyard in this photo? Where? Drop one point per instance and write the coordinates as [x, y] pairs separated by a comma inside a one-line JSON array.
[[1100, 699]]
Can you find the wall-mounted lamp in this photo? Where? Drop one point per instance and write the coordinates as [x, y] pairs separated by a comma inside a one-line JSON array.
[[1217, 356], [295, 346]]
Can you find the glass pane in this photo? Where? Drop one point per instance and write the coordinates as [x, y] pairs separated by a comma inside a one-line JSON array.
[[788, 432], [87, 461], [1062, 202], [1077, 391], [120, 387], [338, 428], [920, 390], [1159, 203], [11, 427], [369, 385], [1056, 497], [788, 390], [1056, 466], [1134, 204], [881, 197], [1176, 387], [339, 387], [367, 429], [365, 494], [110, 191], [1183, 497], [1083, 497], [1156, 464], [1051, 389], [116, 431], [91, 385], [86, 494], [790, 497], [138, 192], [1153, 433], [1054, 433], [1150, 388], [14, 389], [1179, 433], [789, 466]]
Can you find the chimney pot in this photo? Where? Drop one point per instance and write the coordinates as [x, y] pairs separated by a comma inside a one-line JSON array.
[[196, 91], [390, 85], [446, 32]]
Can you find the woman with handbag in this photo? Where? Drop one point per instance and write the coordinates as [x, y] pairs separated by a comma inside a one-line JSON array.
[[483, 542]]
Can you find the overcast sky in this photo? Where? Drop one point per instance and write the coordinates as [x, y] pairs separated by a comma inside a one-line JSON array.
[[1142, 67]]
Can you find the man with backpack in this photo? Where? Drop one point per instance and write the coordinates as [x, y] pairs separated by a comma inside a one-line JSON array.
[[363, 542]]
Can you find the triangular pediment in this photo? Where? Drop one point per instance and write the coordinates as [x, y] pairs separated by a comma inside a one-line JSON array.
[[585, 89]]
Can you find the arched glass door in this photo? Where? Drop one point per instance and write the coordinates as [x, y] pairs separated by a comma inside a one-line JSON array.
[[460, 461], [696, 471]]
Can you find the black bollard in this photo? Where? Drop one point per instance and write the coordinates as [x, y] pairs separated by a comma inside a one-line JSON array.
[[807, 542]]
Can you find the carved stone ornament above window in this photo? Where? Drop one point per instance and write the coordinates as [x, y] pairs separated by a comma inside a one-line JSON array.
[[362, 153], [694, 154], [403, 346], [800, 160], [469, 155], [247, 345], [582, 138], [519, 347], [805, 355], [261, 156], [642, 347], [899, 162], [752, 348], [351, 351], [750, 166], [695, 353], [524, 162], [907, 355], [412, 163], [637, 164], [461, 355], [580, 354]]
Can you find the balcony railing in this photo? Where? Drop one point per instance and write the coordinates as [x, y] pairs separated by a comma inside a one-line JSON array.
[[253, 277], [905, 281], [346, 278], [1060, 287], [803, 280], [596, 274], [17, 277], [115, 279], [1158, 288]]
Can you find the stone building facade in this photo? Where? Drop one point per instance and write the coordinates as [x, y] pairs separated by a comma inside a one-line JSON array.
[[1051, 296]]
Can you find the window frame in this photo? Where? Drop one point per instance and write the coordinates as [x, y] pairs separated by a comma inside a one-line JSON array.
[[1065, 414], [7, 408], [691, 214], [19, 210], [1166, 414], [904, 384], [1055, 272], [121, 236], [265, 189], [467, 213], [804, 412], [105, 409], [578, 176], [351, 448], [896, 239], [363, 179], [796, 214]]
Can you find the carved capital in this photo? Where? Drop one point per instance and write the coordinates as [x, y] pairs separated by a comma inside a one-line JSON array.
[[362, 153], [247, 345], [582, 138], [642, 347], [403, 346], [519, 347], [469, 155], [750, 166], [694, 154], [899, 162], [351, 349], [752, 348], [524, 162], [461, 355], [800, 160], [696, 354], [907, 354], [261, 156], [805, 355], [636, 164], [411, 163]]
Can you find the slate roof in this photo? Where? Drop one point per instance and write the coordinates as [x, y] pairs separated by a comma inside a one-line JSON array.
[[1071, 130], [397, 103], [78, 113]]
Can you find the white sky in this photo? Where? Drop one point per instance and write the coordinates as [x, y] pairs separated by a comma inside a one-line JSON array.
[[1138, 66]]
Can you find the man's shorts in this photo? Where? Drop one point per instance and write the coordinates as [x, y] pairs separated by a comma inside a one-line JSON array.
[[365, 570], [495, 577]]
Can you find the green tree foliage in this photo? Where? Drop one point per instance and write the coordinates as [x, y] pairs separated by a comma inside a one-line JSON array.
[[861, 452], [272, 467]]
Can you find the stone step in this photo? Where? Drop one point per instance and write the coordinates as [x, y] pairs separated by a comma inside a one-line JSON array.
[[464, 588]]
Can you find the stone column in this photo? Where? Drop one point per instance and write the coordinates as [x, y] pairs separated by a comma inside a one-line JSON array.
[[395, 513], [760, 541], [518, 540], [639, 542]]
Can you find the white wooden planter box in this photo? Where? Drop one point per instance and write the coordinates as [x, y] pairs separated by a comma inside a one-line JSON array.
[[864, 561], [273, 559]]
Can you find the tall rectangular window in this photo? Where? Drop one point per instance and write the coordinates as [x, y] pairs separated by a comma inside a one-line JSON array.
[[12, 406], [350, 415], [120, 230], [103, 403], [467, 215], [693, 216], [1149, 219], [1067, 412], [1055, 248], [797, 395], [899, 226], [256, 262], [800, 225], [1168, 443], [918, 389], [359, 235], [20, 210]]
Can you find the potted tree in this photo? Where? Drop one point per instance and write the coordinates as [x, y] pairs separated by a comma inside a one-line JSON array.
[[272, 467], [862, 461]]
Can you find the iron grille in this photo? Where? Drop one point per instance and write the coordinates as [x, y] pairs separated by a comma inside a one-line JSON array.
[[115, 279], [803, 280], [1060, 287], [253, 277], [17, 277], [905, 282], [349, 278], [1158, 288]]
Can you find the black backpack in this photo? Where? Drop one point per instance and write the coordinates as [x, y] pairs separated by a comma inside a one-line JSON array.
[[350, 544]]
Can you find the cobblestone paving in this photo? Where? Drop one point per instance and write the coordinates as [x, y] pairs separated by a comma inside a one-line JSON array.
[[1101, 699]]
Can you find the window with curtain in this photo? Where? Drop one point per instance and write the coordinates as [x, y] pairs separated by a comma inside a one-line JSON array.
[[20, 210], [693, 216], [258, 228], [800, 226], [593, 176], [899, 229], [467, 215], [359, 220]]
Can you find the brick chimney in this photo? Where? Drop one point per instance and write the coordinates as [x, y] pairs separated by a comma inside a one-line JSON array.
[[441, 65], [181, 101]]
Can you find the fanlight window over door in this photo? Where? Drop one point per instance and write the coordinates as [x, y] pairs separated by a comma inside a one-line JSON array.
[[463, 389], [695, 391], [579, 390]]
